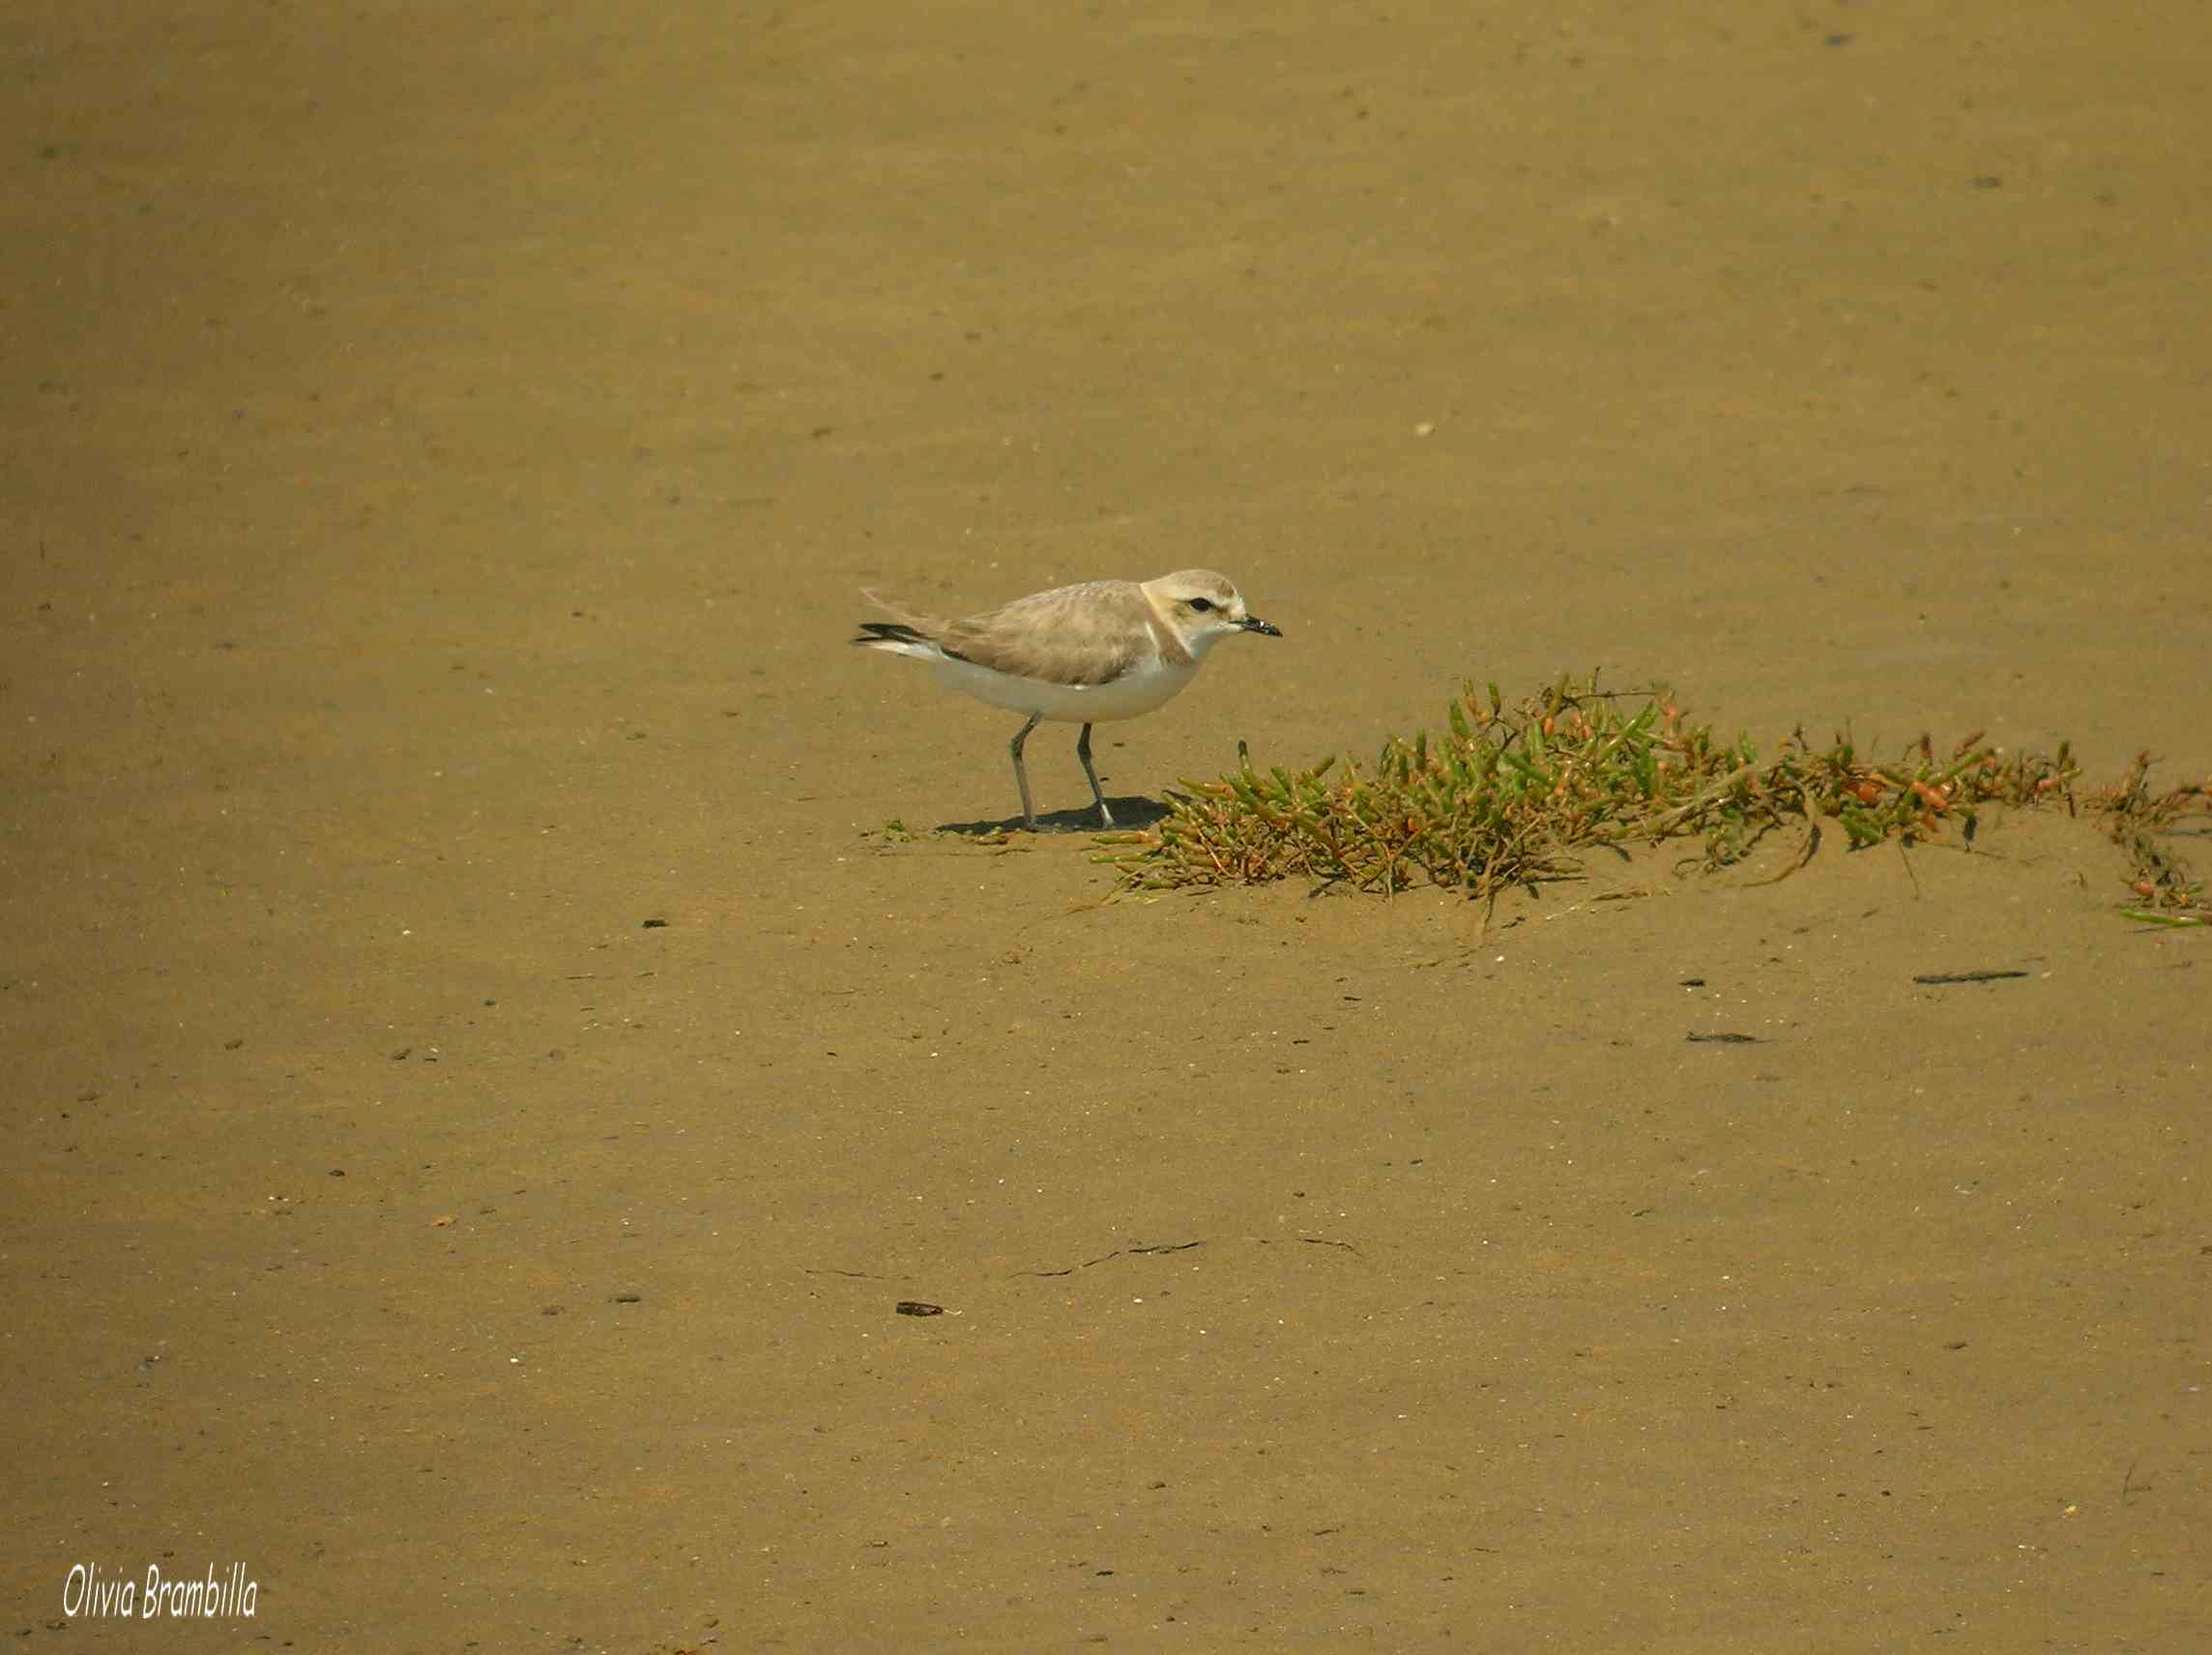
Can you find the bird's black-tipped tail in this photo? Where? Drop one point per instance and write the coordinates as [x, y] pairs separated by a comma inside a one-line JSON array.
[[887, 635]]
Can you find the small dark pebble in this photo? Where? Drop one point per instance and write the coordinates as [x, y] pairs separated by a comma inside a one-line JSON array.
[[917, 1307], [654, 925], [627, 1298], [1693, 982], [1723, 1039], [338, 1171]]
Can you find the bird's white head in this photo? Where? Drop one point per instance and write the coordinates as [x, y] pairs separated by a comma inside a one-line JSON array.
[[1203, 607]]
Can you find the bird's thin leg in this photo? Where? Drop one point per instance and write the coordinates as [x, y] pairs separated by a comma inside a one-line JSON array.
[[1083, 752], [1021, 771]]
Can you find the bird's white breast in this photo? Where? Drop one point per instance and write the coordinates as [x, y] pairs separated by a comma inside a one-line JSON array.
[[1149, 684]]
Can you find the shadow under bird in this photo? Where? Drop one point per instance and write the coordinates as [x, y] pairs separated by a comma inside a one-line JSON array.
[[1077, 655]]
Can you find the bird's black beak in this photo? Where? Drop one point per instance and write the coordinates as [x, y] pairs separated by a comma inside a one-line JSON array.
[[1253, 624]]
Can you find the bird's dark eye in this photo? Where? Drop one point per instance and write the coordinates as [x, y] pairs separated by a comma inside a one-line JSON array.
[[1203, 605]]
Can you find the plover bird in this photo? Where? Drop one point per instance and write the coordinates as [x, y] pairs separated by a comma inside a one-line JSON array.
[[1079, 654]]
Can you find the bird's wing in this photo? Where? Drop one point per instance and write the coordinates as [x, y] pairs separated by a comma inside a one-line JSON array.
[[1087, 635]]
